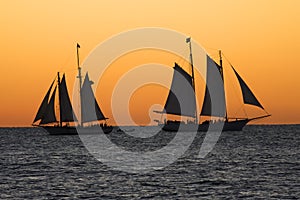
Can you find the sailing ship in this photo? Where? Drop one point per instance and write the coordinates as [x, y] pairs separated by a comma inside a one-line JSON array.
[[181, 100], [46, 116]]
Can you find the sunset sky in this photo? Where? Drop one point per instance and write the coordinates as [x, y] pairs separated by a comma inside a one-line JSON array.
[[261, 38]]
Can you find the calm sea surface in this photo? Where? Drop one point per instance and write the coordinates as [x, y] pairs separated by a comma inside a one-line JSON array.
[[262, 162]]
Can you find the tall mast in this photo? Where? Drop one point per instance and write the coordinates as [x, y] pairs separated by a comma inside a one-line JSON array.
[[188, 40], [59, 98], [220, 54], [80, 79], [221, 64], [222, 74]]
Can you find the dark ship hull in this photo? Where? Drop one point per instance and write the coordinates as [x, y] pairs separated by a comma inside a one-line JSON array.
[[237, 125], [72, 130], [175, 126], [181, 100]]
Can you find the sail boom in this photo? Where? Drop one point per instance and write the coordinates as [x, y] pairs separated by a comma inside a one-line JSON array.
[[158, 111], [260, 117], [206, 115], [170, 113], [95, 120]]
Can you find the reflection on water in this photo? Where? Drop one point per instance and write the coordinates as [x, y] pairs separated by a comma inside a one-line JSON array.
[[261, 162]]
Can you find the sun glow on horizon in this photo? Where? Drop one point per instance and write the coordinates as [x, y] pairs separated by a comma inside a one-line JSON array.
[[38, 39]]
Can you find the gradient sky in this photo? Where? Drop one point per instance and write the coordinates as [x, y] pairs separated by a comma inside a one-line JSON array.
[[261, 38]]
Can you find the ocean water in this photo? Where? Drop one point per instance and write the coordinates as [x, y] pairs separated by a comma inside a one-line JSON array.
[[262, 162]]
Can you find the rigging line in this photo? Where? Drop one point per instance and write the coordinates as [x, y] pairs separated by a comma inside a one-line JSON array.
[[185, 56], [214, 56], [207, 47], [266, 111], [183, 60], [241, 108], [213, 53], [179, 60], [232, 66], [235, 90], [226, 59]]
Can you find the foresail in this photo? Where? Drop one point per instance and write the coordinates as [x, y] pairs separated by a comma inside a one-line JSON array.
[[90, 110], [214, 100], [49, 115], [181, 99], [248, 95], [65, 103], [43, 106]]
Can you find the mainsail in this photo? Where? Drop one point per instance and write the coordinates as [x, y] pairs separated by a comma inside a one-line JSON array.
[[248, 95], [90, 110], [181, 99], [46, 111], [49, 114], [214, 91], [67, 114], [43, 106]]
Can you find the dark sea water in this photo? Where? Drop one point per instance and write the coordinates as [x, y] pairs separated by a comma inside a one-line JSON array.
[[262, 162]]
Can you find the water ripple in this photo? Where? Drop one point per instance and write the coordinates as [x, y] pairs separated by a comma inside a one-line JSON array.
[[263, 162]]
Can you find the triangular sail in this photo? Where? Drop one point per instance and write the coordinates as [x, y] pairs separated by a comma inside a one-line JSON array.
[[181, 91], [42, 109], [90, 110], [67, 113], [248, 95], [214, 100], [49, 115]]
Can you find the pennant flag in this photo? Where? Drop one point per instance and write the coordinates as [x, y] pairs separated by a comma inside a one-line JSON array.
[[188, 40], [78, 46]]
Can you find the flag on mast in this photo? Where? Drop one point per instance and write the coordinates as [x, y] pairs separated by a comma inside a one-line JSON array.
[[78, 46], [188, 39]]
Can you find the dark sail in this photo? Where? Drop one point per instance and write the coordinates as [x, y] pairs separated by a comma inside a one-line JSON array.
[[65, 103], [248, 95], [49, 115], [90, 110], [181, 91], [43, 106], [214, 91]]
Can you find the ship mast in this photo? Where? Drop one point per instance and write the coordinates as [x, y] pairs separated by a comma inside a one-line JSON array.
[[221, 62], [222, 74], [188, 40], [80, 80], [59, 98]]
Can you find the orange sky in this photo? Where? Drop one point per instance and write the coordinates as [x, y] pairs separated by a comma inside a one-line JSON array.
[[38, 38]]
